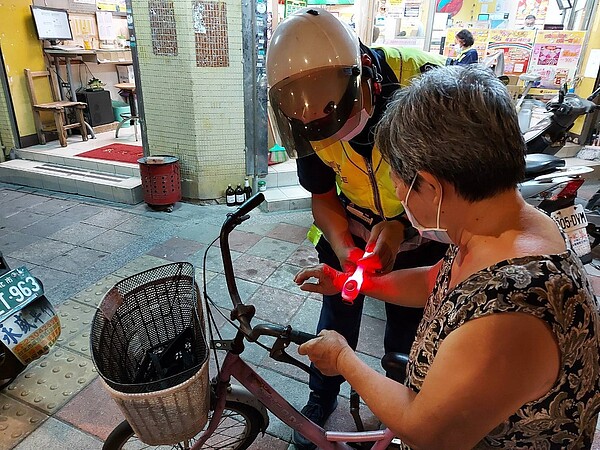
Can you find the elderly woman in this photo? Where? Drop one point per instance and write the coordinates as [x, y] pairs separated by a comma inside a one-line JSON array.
[[507, 354]]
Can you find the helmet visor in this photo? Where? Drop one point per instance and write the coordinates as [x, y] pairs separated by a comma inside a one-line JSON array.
[[316, 105]]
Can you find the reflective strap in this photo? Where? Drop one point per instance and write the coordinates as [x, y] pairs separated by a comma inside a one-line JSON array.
[[314, 234]]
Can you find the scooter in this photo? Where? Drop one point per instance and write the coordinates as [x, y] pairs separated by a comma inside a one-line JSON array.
[[29, 326], [551, 186]]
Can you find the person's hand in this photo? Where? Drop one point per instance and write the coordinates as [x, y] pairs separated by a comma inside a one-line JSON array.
[[325, 350], [384, 244], [348, 257], [329, 281]]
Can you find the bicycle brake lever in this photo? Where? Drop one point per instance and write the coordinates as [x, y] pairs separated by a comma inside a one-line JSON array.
[[278, 353]]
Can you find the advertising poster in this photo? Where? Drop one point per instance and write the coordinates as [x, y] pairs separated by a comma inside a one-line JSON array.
[[480, 35], [536, 7], [516, 45], [555, 56]]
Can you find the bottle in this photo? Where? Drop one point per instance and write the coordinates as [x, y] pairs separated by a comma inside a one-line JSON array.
[[247, 188], [239, 195], [230, 196]]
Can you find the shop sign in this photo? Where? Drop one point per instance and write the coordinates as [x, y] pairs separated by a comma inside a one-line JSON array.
[[516, 45]]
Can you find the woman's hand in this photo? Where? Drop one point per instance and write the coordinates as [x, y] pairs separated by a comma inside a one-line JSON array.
[[325, 351], [329, 281], [384, 244]]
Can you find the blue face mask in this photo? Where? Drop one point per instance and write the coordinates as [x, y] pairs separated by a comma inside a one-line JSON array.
[[434, 234]]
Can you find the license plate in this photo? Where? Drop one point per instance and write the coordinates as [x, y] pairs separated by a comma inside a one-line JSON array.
[[17, 289], [573, 222]]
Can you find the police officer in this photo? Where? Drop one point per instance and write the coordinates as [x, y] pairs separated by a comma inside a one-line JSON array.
[[328, 92]]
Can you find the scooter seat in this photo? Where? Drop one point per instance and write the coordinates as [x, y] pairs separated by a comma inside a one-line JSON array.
[[539, 164]]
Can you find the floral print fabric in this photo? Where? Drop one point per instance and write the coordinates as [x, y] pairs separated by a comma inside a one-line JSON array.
[[553, 288]]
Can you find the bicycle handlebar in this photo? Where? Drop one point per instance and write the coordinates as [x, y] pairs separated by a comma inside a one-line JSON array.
[[295, 336]]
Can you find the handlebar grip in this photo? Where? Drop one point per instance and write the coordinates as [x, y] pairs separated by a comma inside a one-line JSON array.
[[249, 205], [300, 337]]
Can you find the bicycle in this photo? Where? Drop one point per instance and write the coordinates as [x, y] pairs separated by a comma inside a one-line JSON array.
[[238, 414]]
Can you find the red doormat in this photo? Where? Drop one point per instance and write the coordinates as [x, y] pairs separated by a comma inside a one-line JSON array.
[[116, 152]]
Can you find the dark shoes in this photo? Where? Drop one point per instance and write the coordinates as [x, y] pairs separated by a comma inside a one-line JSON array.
[[318, 409]]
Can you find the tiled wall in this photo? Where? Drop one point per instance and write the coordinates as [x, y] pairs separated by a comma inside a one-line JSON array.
[[193, 95], [6, 136]]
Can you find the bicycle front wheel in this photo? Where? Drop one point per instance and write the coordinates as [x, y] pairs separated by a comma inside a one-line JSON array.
[[238, 428]]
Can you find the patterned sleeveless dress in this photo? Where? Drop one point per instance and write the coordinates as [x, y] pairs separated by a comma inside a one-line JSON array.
[[553, 288]]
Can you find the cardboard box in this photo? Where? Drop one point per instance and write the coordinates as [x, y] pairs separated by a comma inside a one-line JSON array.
[[125, 74]]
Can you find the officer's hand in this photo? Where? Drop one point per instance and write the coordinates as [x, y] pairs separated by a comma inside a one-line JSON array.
[[384, 244], [325, 351], [348, 257], [328, 280]]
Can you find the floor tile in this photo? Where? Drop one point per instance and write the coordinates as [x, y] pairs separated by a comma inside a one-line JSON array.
[[77, 259], [283, 278], [10, 195], [217, 289], [42, 251], [253, 268], [111, 241], [288, 232], [274, 249], [107, 218], [21, 219], [48, 226], [99, 420], [13, 241], [56, 435], [52, 279], [275, 305], [370, 340], [303, 256], [17, 421], [176, 249], [77, 233], [240, 241], [13, 203], [53, 380]]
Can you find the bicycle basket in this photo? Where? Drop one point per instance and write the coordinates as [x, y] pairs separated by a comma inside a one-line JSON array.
[[148, 345]]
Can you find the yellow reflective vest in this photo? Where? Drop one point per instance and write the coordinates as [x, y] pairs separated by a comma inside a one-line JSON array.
[[366, 181]]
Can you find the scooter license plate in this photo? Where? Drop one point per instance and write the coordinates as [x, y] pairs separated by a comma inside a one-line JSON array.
[[17, 289], [573, 222]]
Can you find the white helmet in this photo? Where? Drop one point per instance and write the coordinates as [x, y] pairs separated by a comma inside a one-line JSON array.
[[314, 74]]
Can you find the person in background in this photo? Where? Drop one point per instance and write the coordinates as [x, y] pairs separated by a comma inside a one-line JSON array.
[[508, 352], [328, 91], [529, 23], [463, 46]]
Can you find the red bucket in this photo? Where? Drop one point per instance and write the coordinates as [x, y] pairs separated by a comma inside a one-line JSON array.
[[161, 180]]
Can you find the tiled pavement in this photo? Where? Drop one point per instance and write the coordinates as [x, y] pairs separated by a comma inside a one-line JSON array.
[[80, 247]]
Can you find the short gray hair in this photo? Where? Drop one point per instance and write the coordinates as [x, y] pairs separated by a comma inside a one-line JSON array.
[[459, 124]]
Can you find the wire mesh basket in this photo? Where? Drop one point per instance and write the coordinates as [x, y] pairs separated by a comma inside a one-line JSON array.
[[148, 345]]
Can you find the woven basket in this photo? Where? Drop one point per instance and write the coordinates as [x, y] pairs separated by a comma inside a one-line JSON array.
[[168, 416], [155, 314]]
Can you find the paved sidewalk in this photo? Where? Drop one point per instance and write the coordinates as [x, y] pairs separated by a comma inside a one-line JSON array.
[[80, 247]]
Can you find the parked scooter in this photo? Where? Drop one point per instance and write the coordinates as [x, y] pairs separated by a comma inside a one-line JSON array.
[[29, 326], [549, 184]]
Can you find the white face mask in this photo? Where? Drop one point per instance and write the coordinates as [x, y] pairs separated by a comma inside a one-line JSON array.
[[364, 118], [457, 48], [434, 234]]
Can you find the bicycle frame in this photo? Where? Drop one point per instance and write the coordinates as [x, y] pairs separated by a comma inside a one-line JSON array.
[[234, 366]]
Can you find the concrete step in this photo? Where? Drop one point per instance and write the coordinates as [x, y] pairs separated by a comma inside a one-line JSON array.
[[106, 185], [284, 192], [65, 159]]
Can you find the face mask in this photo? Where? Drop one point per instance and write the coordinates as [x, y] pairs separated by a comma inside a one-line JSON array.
[[434, 234], [364, 118], [457, 48]]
